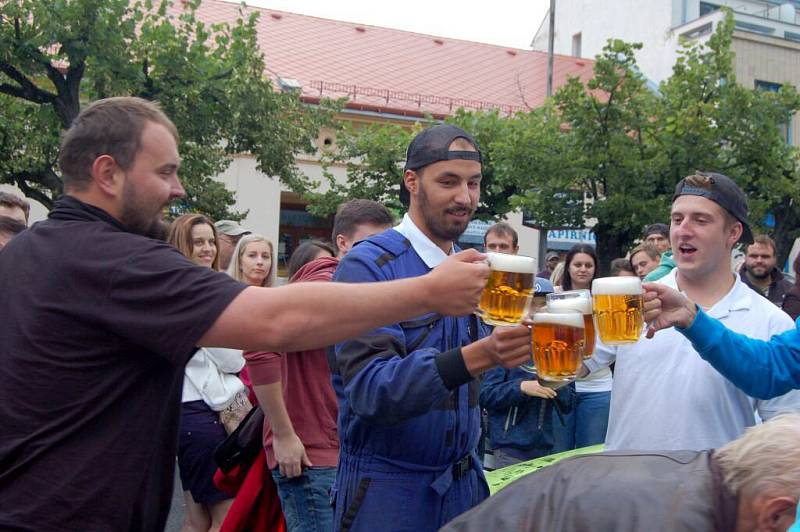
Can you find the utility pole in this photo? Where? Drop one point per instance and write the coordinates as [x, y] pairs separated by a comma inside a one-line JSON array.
[[550, 41]]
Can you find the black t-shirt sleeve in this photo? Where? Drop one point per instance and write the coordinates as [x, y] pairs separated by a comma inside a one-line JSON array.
[[159, 299]]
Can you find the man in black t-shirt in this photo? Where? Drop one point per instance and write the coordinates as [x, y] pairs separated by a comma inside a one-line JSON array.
[[97, 321]]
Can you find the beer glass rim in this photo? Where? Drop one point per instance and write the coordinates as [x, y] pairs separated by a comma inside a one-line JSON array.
[[506, 262], [558, 318], [617, 286]]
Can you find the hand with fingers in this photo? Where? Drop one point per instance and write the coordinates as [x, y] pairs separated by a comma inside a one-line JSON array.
[[455, 286], [666, 307], [290, 454], [534, 389]]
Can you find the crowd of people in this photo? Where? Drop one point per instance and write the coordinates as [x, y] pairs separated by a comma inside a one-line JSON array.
[[129, 343]]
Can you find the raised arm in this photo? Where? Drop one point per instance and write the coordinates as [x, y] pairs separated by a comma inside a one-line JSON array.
[[306, 315], [762, 369]]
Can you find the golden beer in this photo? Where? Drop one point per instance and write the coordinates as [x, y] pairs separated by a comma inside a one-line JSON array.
[[618, 309], [509, 290], [558, 340], [576, 301]]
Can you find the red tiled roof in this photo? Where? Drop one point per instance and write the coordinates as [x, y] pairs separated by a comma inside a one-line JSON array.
[[398, 71]]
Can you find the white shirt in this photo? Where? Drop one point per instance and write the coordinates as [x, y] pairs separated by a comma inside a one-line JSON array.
[[666, 397], [210, 377], [431, 254]]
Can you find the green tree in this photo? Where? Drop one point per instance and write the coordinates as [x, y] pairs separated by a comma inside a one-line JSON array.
[[57, 56], [707, 121], [610, 151], [589, 156], [373, 157]]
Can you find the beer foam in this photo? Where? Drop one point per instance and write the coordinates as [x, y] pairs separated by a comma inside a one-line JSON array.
[[512, 263], [581, 304], [567, 319], [609, 286]]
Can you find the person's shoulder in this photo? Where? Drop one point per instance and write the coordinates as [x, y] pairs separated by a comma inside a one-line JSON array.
[[762, 310], [381, 248]]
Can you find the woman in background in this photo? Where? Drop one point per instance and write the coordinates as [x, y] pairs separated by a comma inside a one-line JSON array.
[[210, 384], [305, 253], [252, 262], [587, 423]]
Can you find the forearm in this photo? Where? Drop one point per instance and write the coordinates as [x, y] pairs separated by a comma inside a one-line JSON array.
[[303, 316], [270, 397]]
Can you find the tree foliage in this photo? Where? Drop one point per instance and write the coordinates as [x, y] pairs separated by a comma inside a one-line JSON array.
[[373, 157], [607, 153], [57, 56]]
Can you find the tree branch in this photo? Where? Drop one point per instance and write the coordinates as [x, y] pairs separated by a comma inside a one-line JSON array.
[[27, 90], [45, 177]]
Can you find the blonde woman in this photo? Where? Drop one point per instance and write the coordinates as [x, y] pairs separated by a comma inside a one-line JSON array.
[[210, 384], [253, 261]]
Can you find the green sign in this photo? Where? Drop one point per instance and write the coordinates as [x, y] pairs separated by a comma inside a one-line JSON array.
[[500, 478]]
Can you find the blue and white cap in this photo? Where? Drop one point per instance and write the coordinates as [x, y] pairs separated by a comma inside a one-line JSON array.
[[543, 286]]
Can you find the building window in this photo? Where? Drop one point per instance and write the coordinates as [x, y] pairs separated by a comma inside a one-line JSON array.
[[576, 45], [706, 8], [785, 127]]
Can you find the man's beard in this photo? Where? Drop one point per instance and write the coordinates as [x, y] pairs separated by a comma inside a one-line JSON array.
[[755, 275], [437, 225], [133, 219]]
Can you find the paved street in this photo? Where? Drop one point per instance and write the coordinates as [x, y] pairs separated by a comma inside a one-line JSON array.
[[175, 519]]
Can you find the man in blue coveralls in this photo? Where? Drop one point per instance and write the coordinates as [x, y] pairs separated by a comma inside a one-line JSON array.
[[408, 399]]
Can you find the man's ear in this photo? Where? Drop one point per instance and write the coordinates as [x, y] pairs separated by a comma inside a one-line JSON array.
[[107, 175], [411, 180], [735, 233], [341, 244], [776, 513]]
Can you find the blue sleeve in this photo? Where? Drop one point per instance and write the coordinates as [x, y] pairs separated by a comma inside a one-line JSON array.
[[759, 368], [499, 392], [382, 382]]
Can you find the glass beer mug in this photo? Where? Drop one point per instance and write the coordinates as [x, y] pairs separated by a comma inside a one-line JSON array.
[[618, 309], [507, 296]]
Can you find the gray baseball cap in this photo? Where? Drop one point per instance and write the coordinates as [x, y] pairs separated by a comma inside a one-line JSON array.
[[230, 228]]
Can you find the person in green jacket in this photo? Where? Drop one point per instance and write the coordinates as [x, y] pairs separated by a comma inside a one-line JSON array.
[[658, 235]]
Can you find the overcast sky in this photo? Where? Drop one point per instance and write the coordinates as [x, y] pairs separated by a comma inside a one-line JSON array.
[[503, 22]]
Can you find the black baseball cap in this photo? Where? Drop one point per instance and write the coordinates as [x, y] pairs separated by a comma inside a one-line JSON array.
[[432, 145], [656, 229], [720, 189]]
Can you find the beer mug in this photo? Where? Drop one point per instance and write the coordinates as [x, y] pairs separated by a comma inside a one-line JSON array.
[[578, 301], [618, 309], [506, 298], [558, 339]]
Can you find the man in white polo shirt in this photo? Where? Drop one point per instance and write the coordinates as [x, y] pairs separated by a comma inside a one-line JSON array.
[[665, 396]]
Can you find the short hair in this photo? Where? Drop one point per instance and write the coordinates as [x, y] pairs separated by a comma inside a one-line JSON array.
[[502, 229], [180, 234], [764, 240], [566, 281], [357, 212], [648, 248], [764, 459], [12, 200], [305, 253], [657, 228], [112, 126], [619, 265], [11, 226], [234, 268]]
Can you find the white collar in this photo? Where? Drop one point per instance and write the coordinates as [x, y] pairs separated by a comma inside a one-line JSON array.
[[739, 297], [431, 254]]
